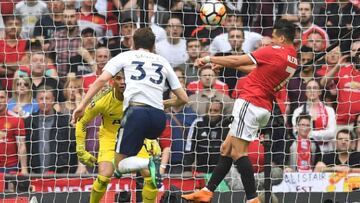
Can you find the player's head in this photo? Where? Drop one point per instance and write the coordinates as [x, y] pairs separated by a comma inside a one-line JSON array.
[[144, 38], [343, 141], [3, 100], [283, 33], [303, 125], [119, 82]]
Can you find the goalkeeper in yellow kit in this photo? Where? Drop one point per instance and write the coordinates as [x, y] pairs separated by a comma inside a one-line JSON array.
[[109, 104]]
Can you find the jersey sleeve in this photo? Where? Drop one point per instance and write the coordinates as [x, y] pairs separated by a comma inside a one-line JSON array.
[[172, 78], [116, 64], [94, 108], [264, 55]]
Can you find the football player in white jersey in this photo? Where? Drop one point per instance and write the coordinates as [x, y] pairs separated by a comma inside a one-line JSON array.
[[147, 76]]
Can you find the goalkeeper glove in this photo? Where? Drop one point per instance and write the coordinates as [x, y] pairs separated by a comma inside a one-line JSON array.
[[85, 157]]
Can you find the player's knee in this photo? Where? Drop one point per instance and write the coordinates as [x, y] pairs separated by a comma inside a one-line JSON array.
[[106, 169], [225, 150], [101, 183]]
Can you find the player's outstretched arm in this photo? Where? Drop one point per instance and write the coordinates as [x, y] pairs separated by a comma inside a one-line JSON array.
[[93, 90], [233, 61], [181, 98]]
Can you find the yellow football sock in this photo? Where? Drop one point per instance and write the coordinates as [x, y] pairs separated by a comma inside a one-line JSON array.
[[149, 191], [99, 188]]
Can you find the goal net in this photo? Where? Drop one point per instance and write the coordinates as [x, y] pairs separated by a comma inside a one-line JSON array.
[[52, 51]]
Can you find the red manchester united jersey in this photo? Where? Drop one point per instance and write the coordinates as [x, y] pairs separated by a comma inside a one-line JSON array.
[[10, 128], [275, 66]]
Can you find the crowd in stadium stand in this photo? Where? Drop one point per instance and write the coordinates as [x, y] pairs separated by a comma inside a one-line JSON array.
[[52, 51]]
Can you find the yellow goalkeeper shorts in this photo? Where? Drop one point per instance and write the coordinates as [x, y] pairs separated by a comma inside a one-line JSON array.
[[150, 147], [106, 149]]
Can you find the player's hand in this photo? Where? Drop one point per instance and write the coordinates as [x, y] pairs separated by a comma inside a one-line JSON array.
[[77, 114], [85, 157], [201, 62], [216, 67]]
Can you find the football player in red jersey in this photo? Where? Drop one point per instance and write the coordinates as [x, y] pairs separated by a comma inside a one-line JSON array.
[[272, 66]]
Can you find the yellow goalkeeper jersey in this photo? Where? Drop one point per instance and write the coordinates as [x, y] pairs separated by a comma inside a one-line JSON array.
[[111, 110]]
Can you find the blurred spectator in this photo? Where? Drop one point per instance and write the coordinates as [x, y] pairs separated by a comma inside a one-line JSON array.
[[159, 32], [83, 62], [221, 44], [305, 8], [265, 41], [208, 80], [347, 78], [296, 87], [228, 75], [304, 152], [356, 131], [127, 27], [316, 42], [102, 56], [38, 65], [205, 138], [199, 101], [73, 93], [180, 118], [331, 59], [194, 49], [343, 159], [263, 20], [12, 50], [22, 102], [12, 140], [30, 12], [48, 24], [174, 47], [180, 75], [340, 17], [89, 17], [66, 42], [50, 138], [323, 117]]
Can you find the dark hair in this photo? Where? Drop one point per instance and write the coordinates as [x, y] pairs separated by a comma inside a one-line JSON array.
[[285, 28], [303, 115], [306, 1], [306, 49], [144, 38], [45, 88], [192, 39], [237, 29], [344, 131], [11, 17]]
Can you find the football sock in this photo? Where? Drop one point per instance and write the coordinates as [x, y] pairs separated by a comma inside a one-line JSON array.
[[221, 169], [149, 191], [245, 168], [99, 188], [131, 164]]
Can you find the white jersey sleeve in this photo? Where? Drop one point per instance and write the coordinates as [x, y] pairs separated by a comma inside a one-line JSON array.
[[116, 64]]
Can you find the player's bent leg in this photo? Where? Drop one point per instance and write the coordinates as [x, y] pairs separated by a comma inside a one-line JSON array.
[[132, 164], [99, 186], [149, 191]]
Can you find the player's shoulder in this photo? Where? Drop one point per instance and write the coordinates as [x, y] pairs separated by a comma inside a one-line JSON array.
[[102, 97]]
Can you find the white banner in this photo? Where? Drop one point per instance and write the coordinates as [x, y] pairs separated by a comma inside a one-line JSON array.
[[318, 182]]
